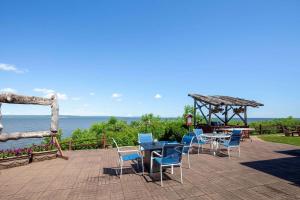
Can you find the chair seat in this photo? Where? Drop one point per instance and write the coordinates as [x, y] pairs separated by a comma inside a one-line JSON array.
[[166, 161], [132, 156], [201, 142], [226, 144]]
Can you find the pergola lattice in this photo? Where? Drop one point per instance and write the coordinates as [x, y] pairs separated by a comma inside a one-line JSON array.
[[226, 106]]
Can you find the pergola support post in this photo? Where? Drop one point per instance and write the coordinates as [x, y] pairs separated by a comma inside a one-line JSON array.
[[245, 116], [209, 114], [195, 111], [226, 115], [1, 126]]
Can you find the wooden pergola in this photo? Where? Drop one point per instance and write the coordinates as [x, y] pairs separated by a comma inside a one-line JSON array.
[[222, 107]]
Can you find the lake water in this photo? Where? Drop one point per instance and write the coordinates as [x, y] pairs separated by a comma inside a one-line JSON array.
[[42, 123]]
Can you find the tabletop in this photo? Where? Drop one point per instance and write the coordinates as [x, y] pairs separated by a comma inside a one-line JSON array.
[[213, 135], [241, 129], [155, 145]]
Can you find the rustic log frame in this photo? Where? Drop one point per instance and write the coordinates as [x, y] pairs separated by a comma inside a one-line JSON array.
[[229, 104], [10, 98]]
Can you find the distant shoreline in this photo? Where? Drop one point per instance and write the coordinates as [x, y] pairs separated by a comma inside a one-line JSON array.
[[127, 117]]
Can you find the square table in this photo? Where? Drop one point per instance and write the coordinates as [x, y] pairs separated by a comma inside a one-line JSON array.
[[148, 148]]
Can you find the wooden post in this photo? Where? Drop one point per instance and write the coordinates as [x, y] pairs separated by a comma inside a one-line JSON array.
[[103, 141], [195, 111], [245, 116], [209, 115], [226, 115], [70, 145], [260, 129], [1, 126], [54, 114], [54, 124]]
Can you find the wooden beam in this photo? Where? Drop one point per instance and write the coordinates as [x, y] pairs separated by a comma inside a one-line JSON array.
[[214, 113], [19, 135], [199, 107], [239, 116], [19, 99], [55, 140]]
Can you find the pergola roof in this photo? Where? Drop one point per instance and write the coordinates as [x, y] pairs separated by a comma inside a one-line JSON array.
[[217, 100]]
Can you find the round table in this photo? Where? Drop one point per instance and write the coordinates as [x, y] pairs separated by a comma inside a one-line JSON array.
[[245, 131], [215, 138]]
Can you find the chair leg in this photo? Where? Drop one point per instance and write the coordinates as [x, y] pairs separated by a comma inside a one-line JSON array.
[[121, 165], [161, 182], [181, 174], [172, 169], [228, 151], [151, 166], [199, 148], [239, 151], [142, 165], [189, 160]]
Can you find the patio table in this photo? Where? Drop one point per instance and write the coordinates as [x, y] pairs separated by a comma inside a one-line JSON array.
[[215, 138], [148, 148]]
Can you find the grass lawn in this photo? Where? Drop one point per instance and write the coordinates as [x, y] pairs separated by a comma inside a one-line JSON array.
[[280, 138]]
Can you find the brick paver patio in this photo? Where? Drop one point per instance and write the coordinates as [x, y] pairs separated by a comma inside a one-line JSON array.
[[264, 171]]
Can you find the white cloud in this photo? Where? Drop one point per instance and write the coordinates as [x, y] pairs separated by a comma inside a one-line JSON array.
[[92, 93], [75, 99], [117, 97], [157, 96], [10, 68], [48, 93], [8, 90]]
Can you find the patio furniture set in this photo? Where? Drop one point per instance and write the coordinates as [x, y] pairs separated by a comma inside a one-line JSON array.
[[156, 156], [289, 133]]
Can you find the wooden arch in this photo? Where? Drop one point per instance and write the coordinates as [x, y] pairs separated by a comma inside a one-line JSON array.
[[10, 98]]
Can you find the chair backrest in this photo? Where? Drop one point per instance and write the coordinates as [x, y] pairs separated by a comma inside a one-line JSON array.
[[187, 142], [235, 138], [145, 137], [198, 132], [172, 153]]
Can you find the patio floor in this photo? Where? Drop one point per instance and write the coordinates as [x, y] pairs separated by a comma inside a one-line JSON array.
[[264, 171]]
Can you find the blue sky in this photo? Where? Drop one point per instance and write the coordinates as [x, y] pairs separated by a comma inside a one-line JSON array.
[[127, 58]]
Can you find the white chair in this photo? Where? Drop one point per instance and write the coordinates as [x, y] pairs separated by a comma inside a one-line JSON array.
[[127, 155]]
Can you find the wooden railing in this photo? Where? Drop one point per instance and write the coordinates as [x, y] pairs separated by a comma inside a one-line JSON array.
[[83, 144]]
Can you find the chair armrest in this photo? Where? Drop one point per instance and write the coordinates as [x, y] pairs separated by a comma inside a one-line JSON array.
[[128, 151], [156, 153], [122, 147]]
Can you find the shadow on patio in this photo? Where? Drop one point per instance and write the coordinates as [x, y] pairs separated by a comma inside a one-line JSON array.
[[284, 168]]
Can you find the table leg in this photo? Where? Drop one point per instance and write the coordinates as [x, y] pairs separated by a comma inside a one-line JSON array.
[[147, 162]]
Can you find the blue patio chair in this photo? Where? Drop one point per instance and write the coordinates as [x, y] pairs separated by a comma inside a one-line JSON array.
[[187, 141], [144, 138], [170, 156], [128, 155], [233, 142], [198, 139]]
